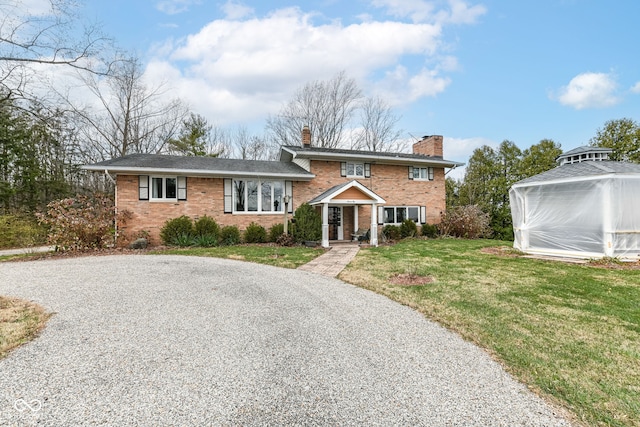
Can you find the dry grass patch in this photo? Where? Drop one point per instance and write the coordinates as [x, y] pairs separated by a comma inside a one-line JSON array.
[[20, 322]]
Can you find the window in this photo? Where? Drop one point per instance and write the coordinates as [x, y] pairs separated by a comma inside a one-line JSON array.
[[257, 196], [355, 170], [397, 214], [162, 188], [425, 174]]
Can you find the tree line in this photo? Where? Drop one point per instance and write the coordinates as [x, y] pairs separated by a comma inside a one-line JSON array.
[[45, 135], [491, 171], [109, 110]]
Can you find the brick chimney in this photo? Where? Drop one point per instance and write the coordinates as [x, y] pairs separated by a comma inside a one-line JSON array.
[[306, 136], [429, 146]]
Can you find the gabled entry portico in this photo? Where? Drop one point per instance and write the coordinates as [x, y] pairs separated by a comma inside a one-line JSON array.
[[349, 194]]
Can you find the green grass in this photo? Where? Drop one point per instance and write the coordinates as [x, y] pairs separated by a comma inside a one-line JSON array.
[[570, 332], [279, 256]]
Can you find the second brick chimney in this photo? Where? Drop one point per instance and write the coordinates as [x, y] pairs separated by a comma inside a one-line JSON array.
[[306, 136], [430, 145]]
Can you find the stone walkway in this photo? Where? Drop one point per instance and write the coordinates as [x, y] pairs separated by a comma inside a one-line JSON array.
[[333, 261]]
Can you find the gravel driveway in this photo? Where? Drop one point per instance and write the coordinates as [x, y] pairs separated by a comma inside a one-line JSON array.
[[172, 340]]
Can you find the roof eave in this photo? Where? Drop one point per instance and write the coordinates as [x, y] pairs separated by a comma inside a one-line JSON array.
[[378, 159], [195, 172]]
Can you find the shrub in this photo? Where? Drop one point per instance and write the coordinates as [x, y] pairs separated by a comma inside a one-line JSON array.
[[276, 231], [468, 222], [17, 231], [205, 241], [81, 222], [184, 240], [176, 228], [430, 231], [408, 228], [255, 233], [308, 224], [229, 235], [206, 226], [391, 232]]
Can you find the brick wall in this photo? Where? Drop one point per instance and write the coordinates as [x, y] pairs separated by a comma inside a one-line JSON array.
[[205, 196]]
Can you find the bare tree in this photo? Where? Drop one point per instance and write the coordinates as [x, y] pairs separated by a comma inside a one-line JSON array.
[[46, 37], [378, 132], [327, 107], [251, 147], [131, 117]]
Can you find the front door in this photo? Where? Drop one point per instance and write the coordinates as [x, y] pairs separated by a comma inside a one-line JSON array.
[[335, 223]]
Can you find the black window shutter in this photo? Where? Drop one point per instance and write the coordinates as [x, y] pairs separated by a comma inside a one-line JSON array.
[[367, 170], [343, 168], [410, 172]]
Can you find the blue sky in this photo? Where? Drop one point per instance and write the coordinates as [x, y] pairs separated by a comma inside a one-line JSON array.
[[477, 72]]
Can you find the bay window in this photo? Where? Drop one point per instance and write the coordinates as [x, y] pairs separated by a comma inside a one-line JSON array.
[[253, 195]]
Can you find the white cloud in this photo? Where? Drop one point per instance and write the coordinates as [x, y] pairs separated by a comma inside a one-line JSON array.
[[636, 88], [460, 11], [589, 90], [235, 10], [417, 10], [244, 69], [173, 7]]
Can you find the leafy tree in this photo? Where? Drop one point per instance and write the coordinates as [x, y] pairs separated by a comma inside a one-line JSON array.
[[539, 158], [196, 139], [622, 136], [34, 158]]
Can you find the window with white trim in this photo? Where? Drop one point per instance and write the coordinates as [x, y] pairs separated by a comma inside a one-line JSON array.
[[162, 188], [253, 195], [397, 214], [425, 174], [355, 169]]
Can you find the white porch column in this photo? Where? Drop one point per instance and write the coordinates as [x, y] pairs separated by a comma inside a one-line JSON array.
[[355, 219], [325, 225], [373, 238]]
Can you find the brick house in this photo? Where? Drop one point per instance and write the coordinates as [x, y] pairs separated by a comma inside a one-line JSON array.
[[352, 189]]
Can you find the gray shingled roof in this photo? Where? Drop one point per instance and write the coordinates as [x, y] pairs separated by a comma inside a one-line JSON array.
[[318, 152], [586, 149], [583, 169], [157, 163]]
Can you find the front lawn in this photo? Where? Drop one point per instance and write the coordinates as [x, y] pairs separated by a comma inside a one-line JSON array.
[[570, 332], [279, 256]]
